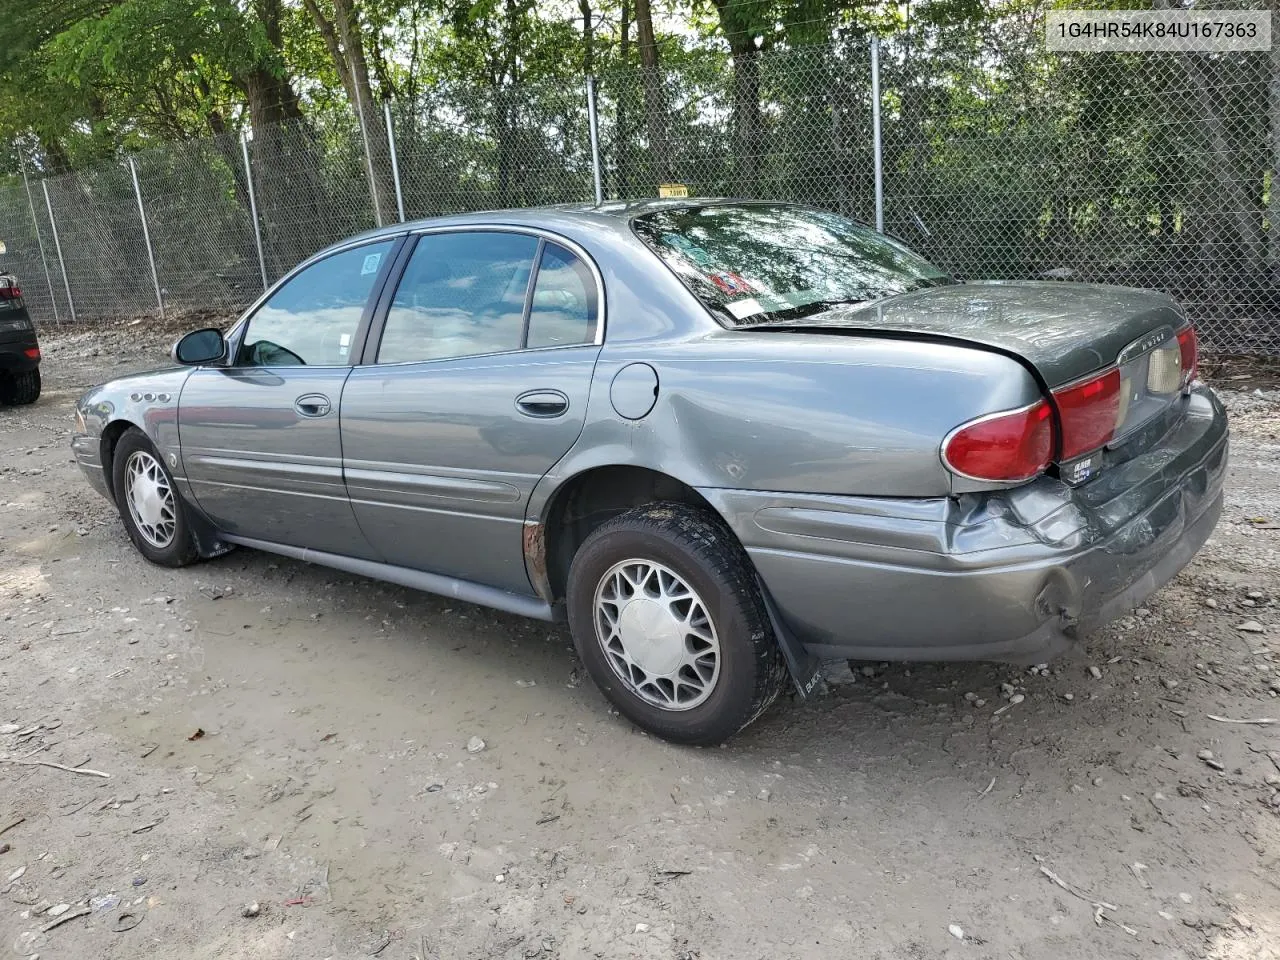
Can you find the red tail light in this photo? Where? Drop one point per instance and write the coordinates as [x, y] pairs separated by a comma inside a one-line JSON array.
[[32, 353], [1189, 345], [1010, 446], [1088, 413], [10, 293]]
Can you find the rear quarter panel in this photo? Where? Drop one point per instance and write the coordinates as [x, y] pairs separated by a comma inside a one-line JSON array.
[[797, 412]]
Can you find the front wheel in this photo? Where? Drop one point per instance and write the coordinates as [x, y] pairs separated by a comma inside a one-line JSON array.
[[667, 618], [152, 510]]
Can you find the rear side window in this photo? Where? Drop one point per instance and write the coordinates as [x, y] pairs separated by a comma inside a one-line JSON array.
[[312, 320], [564, 304], [461, 294]]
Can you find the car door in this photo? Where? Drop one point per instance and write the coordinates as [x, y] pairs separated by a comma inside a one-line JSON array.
[[260, 440], [481, 366]]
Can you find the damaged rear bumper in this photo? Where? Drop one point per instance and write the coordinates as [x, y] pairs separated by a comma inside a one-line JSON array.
[[1017, 575]]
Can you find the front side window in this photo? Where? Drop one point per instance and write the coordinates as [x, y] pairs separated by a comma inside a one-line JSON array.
[[313, 319], [461, 294], [760, 263]]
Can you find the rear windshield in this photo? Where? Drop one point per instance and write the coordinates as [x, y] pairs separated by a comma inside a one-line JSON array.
[[762, 263]]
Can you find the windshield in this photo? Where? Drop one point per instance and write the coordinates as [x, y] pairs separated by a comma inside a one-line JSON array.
[[763, 263]]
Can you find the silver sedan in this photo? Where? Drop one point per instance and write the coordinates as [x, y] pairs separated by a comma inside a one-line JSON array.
[[723, 439]]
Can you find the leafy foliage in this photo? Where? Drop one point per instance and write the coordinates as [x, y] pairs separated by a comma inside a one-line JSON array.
[[1000, 159]]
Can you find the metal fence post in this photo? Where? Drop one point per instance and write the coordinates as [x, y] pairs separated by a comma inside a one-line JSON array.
[[253, 207], [35, 225], [595, 138], [57, 245], [395, 166], [146, 236], [875, 131]]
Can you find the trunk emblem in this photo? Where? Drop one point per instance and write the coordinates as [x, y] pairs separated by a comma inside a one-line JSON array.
[[1144, 343]]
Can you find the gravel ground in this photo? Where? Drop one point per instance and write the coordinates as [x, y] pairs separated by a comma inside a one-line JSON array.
[[291, 743]]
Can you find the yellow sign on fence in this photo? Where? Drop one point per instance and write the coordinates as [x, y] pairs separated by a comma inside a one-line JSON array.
[[673, 191]]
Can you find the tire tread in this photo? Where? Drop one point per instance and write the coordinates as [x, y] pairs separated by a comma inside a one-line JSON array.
[[22, 388]]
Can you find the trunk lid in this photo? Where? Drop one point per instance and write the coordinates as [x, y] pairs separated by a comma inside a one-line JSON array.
[[1068, 333], [1065, 330]]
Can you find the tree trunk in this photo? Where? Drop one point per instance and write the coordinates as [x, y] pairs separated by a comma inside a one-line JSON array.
[[281, 182], [747, 125], [276, 98], [345, 42], [588, 38], [622, 135], [284, 170], [224, 144], [746, 116], [1237, 195], [837, 94], [509, 187], [368, 111], [214, 117], [56, 160], [654, 106]]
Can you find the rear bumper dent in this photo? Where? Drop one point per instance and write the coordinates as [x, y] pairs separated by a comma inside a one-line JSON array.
[[1016, 576]]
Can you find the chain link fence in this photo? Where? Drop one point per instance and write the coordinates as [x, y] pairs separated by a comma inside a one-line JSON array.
[[793, 126], [1000, 160], [1150, 170]]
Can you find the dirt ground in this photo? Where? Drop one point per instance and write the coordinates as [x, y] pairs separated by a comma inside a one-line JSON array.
[[283, 735]]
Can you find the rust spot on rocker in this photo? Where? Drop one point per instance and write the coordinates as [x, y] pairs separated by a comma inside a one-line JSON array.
[[535, 558]]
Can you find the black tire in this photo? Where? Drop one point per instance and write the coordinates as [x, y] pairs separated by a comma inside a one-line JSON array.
[[697, 547], [20, 388], [180, 549]]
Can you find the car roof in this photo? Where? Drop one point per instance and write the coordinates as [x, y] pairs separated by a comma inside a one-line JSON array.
[[610, 213]]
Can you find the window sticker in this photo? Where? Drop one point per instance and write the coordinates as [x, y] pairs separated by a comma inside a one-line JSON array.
[[688, 248], [741, 309], [730, 283], [370, 264]]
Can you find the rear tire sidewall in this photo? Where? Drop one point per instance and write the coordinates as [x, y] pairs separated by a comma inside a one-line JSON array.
[[181, 550], [734, 701]]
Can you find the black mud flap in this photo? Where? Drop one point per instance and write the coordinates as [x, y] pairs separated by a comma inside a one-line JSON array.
[[804, 667], [208, 543]]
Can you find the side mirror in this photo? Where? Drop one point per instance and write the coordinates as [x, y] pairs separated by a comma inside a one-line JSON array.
[[200, 347]]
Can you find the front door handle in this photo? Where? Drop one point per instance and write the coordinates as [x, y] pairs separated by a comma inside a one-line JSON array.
[[542, 403], [312, 405]]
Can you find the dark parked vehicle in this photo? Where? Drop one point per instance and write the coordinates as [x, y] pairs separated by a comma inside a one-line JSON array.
[[723, 439], [19, 348]]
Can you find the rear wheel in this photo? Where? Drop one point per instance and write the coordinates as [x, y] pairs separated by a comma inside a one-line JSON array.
[[668, 620], [150, 506], [20, 388]]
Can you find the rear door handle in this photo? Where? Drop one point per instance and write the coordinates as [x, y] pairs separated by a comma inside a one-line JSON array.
[[312, 405], [542, 403]]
